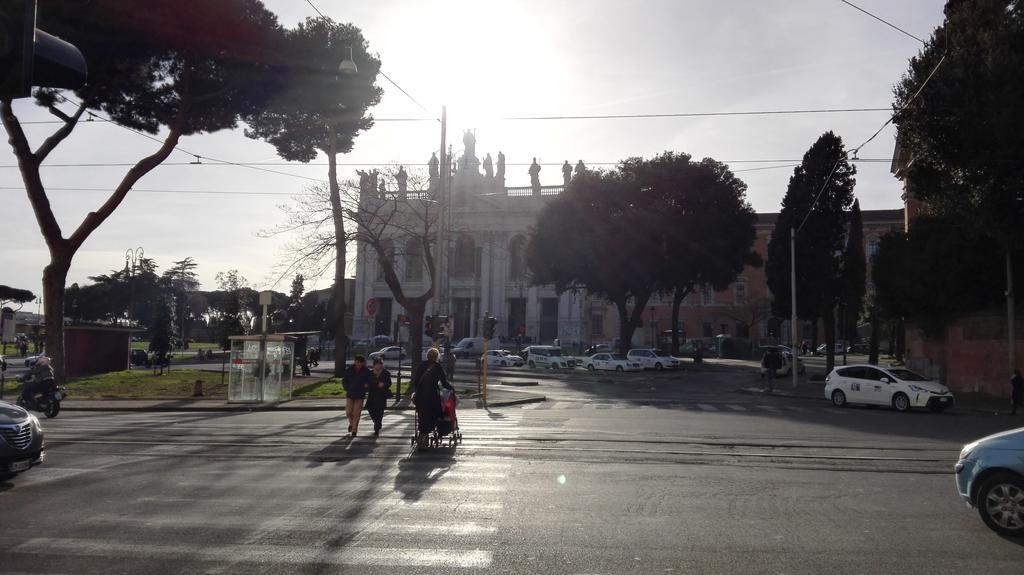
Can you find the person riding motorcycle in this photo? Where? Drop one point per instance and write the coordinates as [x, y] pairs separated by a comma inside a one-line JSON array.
[[40, 378]]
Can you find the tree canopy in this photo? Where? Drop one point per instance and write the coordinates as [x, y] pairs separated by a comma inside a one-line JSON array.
[[819, 195], [15, 295]]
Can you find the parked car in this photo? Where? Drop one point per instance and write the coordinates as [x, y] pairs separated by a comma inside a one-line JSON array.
[[610, 362], [599, 348], [390, 353], [895, 386], [990, 477], [652, 359], [548, 356], [473, 347], [139, 357], [787, 360], [503, 358], [21, 440]]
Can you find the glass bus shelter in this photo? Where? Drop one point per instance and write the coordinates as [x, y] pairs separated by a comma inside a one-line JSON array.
[[261, 368]]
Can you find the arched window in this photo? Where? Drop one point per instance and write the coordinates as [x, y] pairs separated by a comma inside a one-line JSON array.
[[414, 260], [465, 256], [517, 258], [388, 247]]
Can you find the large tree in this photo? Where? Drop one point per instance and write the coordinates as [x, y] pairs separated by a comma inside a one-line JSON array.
[[182, 281], [964, 129], [819, 195], [15, 295], [397, 229], [171, 67], [706, 225], [322, 111], [601, 234]]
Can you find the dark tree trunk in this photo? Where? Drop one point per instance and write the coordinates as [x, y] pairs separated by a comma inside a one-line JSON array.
[[415, 312], [340, 307], [892, 338], [875, 333], [628, 320], [677, 298], [54, 276]]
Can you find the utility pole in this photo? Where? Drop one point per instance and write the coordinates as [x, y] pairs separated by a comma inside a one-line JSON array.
[[792, 302], [439, 245]]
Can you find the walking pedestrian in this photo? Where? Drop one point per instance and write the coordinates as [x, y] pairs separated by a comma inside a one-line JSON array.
[[380, 391], [1017, 395], [427, 395], [356, 382]]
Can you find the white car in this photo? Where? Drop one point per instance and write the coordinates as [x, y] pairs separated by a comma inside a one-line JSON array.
[[610, 362], [548, 356], [895, 386], [651, 359], [502, 358], [391, 352]]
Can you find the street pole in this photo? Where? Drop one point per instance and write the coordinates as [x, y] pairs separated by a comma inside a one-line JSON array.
[[792, 302], [439, 245]]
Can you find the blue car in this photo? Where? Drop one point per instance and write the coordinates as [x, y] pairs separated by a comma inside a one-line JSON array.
[[990, 476]]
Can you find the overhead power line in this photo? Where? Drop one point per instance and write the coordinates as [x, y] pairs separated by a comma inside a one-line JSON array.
[[886, 22], [317, 10], [696, 114]]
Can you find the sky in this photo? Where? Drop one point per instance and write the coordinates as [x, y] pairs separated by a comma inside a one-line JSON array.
[[488, 60]]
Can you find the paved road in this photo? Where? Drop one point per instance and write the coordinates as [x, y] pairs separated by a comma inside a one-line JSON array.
[[658, 473]]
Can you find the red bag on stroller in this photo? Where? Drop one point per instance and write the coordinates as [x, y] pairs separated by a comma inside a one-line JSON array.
[[449, 421]]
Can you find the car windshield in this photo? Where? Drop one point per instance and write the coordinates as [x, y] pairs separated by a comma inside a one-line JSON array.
[[907, 375]]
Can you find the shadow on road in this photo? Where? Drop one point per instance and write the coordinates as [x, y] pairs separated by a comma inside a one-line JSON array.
[[418, 472]]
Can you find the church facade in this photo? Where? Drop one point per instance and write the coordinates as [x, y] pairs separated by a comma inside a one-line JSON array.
[[486, 272]]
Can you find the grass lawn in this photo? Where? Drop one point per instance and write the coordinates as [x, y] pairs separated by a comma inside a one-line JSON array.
[[330, 387], [143, 384]]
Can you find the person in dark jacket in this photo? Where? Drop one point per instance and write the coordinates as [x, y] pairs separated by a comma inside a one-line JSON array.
[[426, 393], [1017, 395], [356, 382], [380, 391]]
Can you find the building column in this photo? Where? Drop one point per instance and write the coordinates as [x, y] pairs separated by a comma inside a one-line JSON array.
[[532, 313]]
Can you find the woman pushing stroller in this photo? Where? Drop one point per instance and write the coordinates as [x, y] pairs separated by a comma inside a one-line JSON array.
[[426, 396]]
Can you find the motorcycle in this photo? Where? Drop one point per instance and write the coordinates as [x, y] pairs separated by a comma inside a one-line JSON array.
[[47, 400]]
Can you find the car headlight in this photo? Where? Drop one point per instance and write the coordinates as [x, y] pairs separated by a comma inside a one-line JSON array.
[[916, 388], [35, 423]]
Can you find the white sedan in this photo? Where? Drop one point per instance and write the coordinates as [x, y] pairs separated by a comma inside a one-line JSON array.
[[895, 386], [651, 359], [503, 358], [391, 352], [610, 362]]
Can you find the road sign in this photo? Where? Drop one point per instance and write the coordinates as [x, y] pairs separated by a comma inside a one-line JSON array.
[[371, 306]]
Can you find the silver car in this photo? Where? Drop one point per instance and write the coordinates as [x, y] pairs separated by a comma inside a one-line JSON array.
[[21, 440]]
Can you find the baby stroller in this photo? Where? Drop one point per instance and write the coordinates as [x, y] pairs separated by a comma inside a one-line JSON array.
[[447, 428]]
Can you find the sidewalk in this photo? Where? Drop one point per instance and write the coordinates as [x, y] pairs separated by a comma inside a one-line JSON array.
[[496, 398], [815, 390]]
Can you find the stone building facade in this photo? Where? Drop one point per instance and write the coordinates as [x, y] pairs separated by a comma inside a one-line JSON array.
[[486, 272]]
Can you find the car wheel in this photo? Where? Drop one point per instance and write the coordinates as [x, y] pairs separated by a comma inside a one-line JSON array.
[[52, 409], [590, 367], [900, 402], [657, 366], [532, 365], [618, 368], [838, 398], [1001, 504]]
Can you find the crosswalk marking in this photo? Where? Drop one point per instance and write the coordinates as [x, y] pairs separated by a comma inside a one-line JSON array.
[[706, 407], [263, 554], [736, 407]]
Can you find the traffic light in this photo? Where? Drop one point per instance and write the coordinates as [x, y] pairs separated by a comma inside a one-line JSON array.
[[489, 326], [439, 326], [428, 326], [31, 57]]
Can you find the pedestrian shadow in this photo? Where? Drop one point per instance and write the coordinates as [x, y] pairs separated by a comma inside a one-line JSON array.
[[418, 472], [342, 451]]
